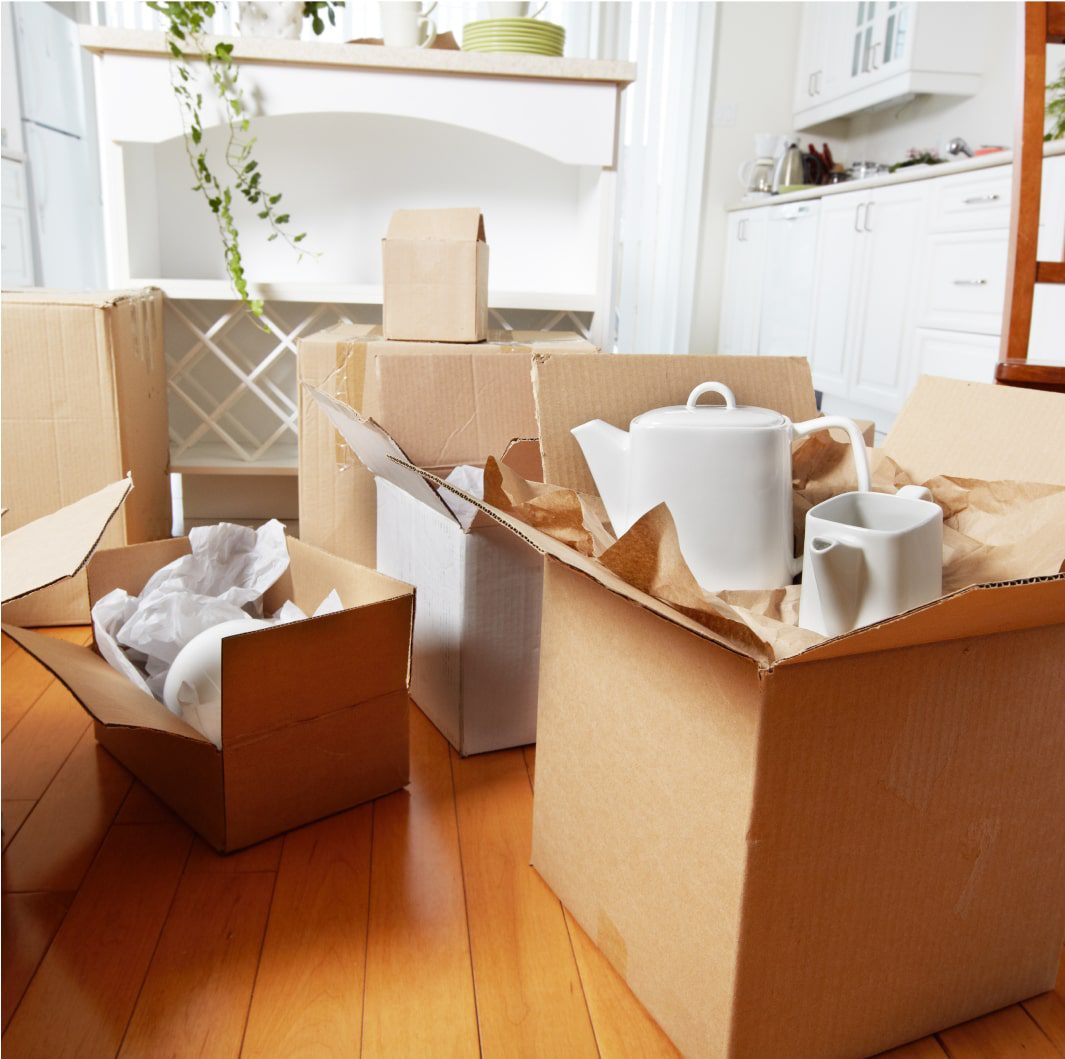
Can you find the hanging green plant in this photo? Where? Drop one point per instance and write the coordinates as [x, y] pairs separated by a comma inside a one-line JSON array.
[[186, 40], [1056, 106]]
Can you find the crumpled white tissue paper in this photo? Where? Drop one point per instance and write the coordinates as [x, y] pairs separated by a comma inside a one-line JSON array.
[[469, 480], [223, 578]]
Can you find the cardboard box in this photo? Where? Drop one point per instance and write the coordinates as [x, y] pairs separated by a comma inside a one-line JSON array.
[[435, 276], [84, 402], [831, 854], [446, 405], [314, 712], [476, 639]]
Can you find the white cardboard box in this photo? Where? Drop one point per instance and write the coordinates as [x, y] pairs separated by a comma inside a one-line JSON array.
[[475, 664]]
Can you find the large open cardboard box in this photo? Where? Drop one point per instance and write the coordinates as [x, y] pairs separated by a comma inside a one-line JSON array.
[[834, 853], [445, 404], [84, 402], [314, 712]]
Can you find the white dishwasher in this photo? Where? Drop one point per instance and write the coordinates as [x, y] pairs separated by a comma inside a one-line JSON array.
[[788, 286]]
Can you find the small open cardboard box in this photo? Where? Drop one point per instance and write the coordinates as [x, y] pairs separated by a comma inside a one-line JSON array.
[[475, 655], [435, 276], [831, 854], [314, 712]]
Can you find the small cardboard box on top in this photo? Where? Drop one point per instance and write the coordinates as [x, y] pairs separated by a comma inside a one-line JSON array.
[[435, 276], [831, 853], [314, 712], [84, 402]]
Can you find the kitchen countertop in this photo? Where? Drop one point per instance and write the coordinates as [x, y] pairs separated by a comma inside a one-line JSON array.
[[965, 165], [102, 40]]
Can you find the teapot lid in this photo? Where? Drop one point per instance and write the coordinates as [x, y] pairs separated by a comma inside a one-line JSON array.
[[694, 416]]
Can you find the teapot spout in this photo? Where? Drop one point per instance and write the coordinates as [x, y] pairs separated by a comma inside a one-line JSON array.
[[837, 571], [606, 451]]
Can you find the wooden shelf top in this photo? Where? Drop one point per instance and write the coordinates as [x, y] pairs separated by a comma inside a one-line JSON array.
[[102, 40]]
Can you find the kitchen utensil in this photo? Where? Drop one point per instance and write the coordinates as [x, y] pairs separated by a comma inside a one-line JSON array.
[[405, 25], [513, 9], [826, 153], [957, 148], [725, 474], [813, 167], [756, 176], [788, 172], [870, 556], [838, 175], [193, 688]]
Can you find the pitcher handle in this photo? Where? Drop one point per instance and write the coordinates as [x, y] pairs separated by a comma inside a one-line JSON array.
[[861, 459]]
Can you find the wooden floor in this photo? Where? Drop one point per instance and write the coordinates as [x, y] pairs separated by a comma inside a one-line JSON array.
[[410, 927]]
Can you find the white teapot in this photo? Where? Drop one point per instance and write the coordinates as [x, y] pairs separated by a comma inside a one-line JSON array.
[[725, 474]]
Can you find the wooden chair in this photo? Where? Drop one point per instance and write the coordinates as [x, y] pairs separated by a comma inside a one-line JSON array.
[[1044, 23]]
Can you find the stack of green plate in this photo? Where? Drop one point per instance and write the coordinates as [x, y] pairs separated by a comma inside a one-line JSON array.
[[527, 35]]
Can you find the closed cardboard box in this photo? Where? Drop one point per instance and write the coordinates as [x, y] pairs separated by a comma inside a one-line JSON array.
[[435, 276], [446, 405], [84, 403], [834, 852], [314, 712]]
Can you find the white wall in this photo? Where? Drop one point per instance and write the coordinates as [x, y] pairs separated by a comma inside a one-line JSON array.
[[754, 75]]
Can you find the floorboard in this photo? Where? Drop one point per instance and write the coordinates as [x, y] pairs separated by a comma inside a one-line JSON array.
[[419, 982], [308, 994], [30, 923], [529, 995], [57, 843], [196, 994], [81, 998], [412, 926]]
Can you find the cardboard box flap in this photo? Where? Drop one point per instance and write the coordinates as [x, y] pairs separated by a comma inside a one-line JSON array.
[[57, 546], [373, 447], [104, 692], [980, 610], [91, 299], [978, 430], [458, 225], [576, 388]]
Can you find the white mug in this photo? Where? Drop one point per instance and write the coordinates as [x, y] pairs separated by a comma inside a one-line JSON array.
[[405, 25], [513, 9], [868, 557]]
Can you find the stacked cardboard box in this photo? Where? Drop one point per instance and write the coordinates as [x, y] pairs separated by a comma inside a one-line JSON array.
[[84, 403]]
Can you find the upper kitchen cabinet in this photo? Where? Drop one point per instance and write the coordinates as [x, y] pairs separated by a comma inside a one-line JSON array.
[[865, 55]]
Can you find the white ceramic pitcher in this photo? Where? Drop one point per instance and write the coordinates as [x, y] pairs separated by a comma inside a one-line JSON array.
[[725, 473], [868, 557]]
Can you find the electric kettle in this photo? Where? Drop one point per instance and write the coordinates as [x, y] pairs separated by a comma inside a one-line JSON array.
[[724, 471], [789, 173]]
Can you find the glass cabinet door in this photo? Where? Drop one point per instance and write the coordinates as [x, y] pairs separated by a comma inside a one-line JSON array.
[[896, 38], [863, 39]]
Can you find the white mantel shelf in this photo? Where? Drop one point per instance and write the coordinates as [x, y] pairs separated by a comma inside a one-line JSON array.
[[901, 176], [101, 40]]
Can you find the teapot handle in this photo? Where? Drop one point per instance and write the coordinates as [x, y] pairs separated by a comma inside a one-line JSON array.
[[861, 459], [712, 387]]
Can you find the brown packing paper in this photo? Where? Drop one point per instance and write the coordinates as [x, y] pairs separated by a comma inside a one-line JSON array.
[[993, 532]]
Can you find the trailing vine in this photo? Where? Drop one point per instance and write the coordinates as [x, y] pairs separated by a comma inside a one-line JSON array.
[[1056, 107], [186, 40]]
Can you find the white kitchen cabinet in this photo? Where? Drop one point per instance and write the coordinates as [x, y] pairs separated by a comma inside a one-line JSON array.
[[862, 306], [864, 55], [744, 274], [15, 231], [790, 246]]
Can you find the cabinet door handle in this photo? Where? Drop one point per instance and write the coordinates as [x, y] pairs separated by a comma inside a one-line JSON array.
[[817, 82], [810, 85], [970, 283], [858, 217], [739, 230], [975, 200], [868, 216], [875, 49]]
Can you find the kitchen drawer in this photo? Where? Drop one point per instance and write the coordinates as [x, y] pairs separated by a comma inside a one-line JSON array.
[[964, 283], [955, 355], [972, 201]]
